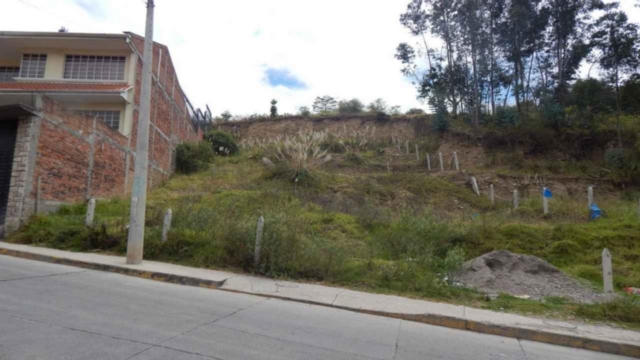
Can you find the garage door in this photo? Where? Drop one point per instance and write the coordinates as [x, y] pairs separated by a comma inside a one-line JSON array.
[[7, 145]]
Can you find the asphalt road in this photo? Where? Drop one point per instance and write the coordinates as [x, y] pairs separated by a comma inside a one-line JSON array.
[[51, 311]]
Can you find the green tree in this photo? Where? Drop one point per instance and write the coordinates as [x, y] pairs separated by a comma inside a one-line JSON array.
[[630, 96], [617, 43], [324, 104], [415, 111], [226, 116], [353, 106], [304, 111], [566, 45], [519, 30], [378, 106], [274, 108]]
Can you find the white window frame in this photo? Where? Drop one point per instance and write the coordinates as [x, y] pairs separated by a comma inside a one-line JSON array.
[[33, 66], [8, 73], [111, 118], [94, 67]]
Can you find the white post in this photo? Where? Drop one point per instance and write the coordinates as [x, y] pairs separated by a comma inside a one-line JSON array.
[[39, 195], [167, 225], [516, 200], [545, 201], [259, 232], [607, 272], [474, 184], [91, 210], [590, 196], [441, 162], [429, 162], [455, 160], [417, 154], [135, 241], [492, 195]]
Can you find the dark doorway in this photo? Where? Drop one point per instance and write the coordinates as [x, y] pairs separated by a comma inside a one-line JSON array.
[[8, 130]]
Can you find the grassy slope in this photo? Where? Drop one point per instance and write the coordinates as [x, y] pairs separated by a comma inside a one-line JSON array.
[[354, 223]]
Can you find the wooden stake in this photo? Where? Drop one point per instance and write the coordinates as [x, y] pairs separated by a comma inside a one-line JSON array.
[[417, 154], [516, 200], [545, 201], [590, 196], [429, 166], [441, 162]]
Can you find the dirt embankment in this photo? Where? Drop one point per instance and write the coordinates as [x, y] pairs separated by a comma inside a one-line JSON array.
[[405, 127]]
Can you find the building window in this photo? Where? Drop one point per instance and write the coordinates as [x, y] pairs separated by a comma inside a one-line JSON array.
[[7, 73], [111, 118], [86, 67], [33, 66]]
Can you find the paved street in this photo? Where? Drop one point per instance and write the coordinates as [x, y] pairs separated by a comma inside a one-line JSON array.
[[51, 311]]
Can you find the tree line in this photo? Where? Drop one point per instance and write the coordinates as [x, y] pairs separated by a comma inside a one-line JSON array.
[[526, 53]]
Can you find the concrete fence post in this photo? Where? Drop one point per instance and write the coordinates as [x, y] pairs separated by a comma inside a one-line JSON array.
[[590, 196], [91, 210], [474, 185], [545, 201], [516, 200], [607, 272], [38, 195], [417, 154], [455, 161], [259, 233], [406, 145], [492, 196], [441, 162], [167, 225], [429, 162]]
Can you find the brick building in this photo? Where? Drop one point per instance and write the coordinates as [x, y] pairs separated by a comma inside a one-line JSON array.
[[69, 107]]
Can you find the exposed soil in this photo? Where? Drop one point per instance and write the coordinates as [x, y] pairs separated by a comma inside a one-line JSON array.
[[522, 275]]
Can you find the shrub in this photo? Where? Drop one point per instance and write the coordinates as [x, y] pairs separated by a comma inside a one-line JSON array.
[[304, 111], [415, 111], [623, 163], [222, 142], [507, 117], [353, 106], [440, 122], [193, 157]]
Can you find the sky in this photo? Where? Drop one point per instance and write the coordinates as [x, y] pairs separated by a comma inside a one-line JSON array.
[[239, 55]]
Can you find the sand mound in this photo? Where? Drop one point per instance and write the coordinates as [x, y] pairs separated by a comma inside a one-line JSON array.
[[522, 275]]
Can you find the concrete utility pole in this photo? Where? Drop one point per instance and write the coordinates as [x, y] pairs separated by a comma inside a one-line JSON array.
[[135, 242]]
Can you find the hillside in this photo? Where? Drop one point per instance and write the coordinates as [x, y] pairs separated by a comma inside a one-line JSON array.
[[359, 211]]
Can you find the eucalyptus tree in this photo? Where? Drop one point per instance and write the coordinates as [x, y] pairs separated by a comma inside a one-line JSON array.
[[617, 43], [567, 37]]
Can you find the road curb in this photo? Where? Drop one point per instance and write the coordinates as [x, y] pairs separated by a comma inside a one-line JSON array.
[[536, 335], [152, 275]]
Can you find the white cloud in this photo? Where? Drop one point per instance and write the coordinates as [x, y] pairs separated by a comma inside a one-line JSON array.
[[222, 48], [342, 48]]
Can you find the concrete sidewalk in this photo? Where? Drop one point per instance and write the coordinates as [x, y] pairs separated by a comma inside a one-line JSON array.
[[573, 334]]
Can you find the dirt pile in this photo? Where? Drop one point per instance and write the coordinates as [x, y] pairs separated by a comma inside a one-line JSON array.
[[522, 275]]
